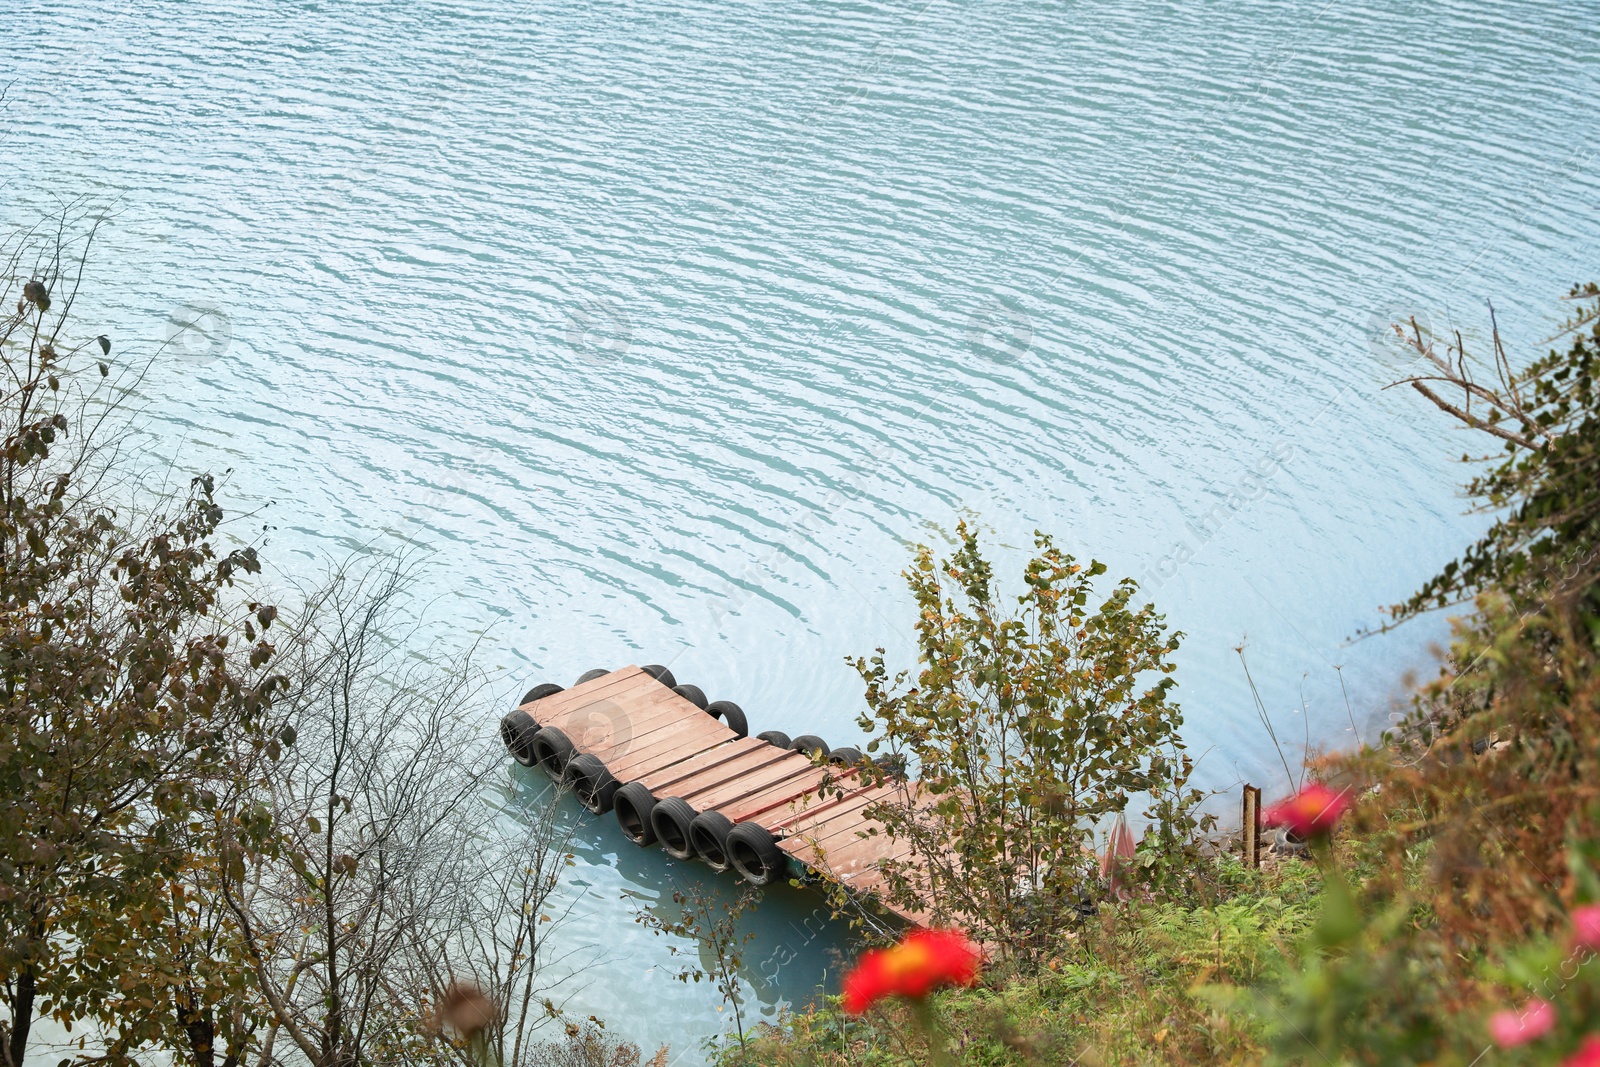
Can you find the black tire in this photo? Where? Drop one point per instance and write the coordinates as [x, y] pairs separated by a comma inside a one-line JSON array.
[[846, 756], [671, 819], [553, 750], [591, 783], [709, 836], [660, 674], [539, 692], [810, 745], [775, 738], [632, 805], [589, 676], [730, 713], [517, 731], [754, 853], [692, 693]]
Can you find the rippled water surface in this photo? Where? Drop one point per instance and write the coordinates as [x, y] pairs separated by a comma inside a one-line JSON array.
[[662, 329]]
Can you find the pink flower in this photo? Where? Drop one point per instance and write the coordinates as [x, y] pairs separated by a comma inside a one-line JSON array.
[[1510, 1029], [1310, 812], [1588, 1054], [1586, 927]]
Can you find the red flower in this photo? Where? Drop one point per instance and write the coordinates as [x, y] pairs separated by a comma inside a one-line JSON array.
[[1512, 1028], [1586, 927], [1310, 812], [1588, 1054], [924, 961]]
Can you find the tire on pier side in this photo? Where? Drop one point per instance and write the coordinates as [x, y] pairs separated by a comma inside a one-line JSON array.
[[730, 713], [810, 745], [553, 750], [709, 836], [692, 693], [589, 676], [846, 756], [775, 738], [539, 692], [671, 819], [517, 731], [754, 853], [660, 674], [632, 805], [591, 783]]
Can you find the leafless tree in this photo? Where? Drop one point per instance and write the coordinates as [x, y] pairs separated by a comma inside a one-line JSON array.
[[506, 880], [389, 884]]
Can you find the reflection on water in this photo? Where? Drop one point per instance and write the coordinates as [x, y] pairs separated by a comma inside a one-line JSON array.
[[796, 951]]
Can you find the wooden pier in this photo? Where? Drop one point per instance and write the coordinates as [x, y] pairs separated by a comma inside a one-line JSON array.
[[672, 769]]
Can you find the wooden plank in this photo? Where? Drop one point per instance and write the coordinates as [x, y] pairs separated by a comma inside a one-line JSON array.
[[813, 794], [667, 754], [899, 793], [674, 757], [656, 728], [808, 811], [834, 831], [633, 714], [670, 752], [779, 798], [875, 879], [611, 723], [718, 794], [661, 748], [794, 823], [623, 680], [703, 772], [851, 857], [846, 857], [830, 836], [791, 778], [611, 717], [641, 694], [868, 879], [707, 759], [841, 795], [873, 884], [615, 682]]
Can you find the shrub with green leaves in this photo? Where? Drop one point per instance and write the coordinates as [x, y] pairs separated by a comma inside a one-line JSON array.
[[1034, 719]]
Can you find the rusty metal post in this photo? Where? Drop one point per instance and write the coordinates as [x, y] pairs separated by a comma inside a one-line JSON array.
[[1250, 824]]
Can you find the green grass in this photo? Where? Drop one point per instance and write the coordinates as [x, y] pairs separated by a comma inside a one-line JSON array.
[[1138, 984]]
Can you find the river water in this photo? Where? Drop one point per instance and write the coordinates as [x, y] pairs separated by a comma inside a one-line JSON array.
[[662, 329]]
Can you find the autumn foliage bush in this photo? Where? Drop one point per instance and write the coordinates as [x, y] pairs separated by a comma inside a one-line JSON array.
[[130, 670], [1034, 718]]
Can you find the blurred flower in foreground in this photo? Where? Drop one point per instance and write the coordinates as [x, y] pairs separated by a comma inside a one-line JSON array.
[[1312, 812], [465, 1009], [924, 961], [1586, 927], [1510, 1028], [1588, 1054]]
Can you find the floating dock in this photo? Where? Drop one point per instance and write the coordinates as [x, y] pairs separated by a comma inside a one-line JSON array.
[[676, 769]]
